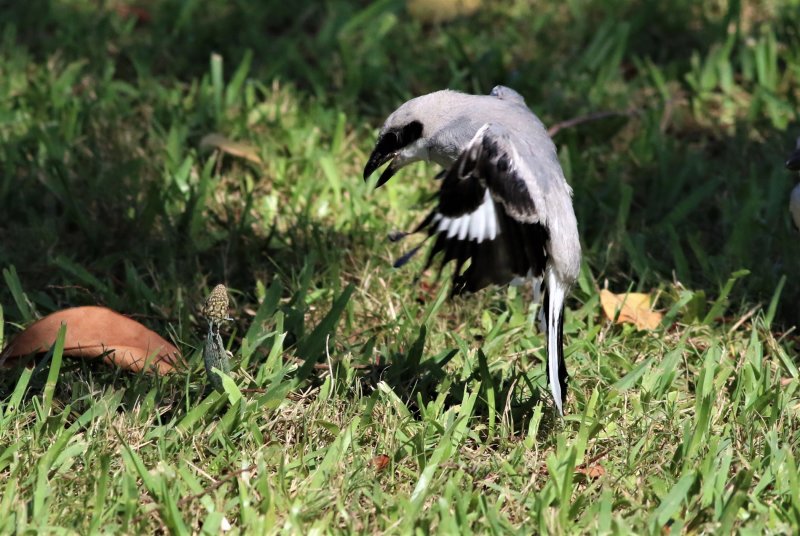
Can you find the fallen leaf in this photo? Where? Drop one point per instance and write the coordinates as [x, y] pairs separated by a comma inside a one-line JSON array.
[[435, 11], [634, 308], [380, 462], [93, 332], [592, 471], [234, 148], [139, 14]]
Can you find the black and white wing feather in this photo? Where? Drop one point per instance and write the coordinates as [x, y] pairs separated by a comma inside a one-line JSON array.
[[486, 215]]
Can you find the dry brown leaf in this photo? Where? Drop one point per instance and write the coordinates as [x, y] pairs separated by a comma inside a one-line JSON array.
[[380, 462], [634, 308], [139, 14], [93, 332], [234, 148], [593, 471], [433, 11]]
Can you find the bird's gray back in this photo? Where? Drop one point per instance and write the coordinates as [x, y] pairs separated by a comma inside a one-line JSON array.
[[465, 114]]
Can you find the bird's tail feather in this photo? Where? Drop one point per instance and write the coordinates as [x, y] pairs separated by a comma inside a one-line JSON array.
[[539, 298], [556, 367]]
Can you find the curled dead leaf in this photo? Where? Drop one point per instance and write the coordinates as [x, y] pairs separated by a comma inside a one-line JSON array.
[[436, 11], [233, 148], [634, 308], [592, 471], [380, 462], [139, 14], [94, 332]]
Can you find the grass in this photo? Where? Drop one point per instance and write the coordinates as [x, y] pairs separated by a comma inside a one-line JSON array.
[[359, 401]]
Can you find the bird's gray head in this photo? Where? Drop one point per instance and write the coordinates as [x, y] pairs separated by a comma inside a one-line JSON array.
[[410, 132]]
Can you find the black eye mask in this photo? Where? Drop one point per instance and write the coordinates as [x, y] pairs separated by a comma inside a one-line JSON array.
[[396, 139]]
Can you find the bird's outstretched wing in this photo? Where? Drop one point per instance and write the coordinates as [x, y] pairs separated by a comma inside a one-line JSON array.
[[486, 215]]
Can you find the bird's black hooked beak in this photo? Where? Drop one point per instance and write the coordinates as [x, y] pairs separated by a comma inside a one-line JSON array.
[[376, 160], [793, 162], [389, 144]]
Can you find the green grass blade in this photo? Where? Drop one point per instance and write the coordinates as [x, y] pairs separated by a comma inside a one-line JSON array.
[[630, 379], [101, 489], [230, 387], [15, 286], [314, 345], [722, 301], [489, 391], [672, 501], [19, 391], [55, 369], [773, 303], [256, 332]]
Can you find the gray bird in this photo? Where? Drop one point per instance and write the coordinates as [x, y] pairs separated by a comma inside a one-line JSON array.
[[793, 163], [503, 203]]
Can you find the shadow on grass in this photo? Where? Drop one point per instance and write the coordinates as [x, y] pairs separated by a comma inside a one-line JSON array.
[[680, 189], [89, 207], [418, 380], [357, 53]]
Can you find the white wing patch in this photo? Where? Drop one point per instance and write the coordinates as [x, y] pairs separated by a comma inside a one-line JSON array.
[[476, 226], [794, 205]]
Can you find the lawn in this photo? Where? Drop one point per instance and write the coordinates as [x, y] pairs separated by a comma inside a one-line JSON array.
[[362, 401]]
